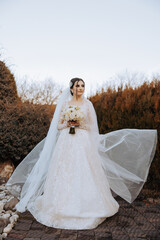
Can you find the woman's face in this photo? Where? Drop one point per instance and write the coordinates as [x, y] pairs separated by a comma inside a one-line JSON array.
[[78, 87]]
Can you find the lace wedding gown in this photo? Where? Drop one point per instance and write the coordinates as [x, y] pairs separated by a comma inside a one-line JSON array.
[[76, 192]]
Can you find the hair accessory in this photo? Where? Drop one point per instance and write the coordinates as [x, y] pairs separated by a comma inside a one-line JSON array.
[[70, 84]]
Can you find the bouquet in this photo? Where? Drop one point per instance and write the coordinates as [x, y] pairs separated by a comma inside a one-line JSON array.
[[73, 114]]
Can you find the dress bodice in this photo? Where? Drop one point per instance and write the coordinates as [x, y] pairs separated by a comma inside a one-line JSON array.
[[83, 107], [76, 105]]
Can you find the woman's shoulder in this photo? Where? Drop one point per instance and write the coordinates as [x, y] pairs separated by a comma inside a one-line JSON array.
[[89, 102]]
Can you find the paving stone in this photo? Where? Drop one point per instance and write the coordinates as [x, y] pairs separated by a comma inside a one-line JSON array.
[[68, 235], [34, 233], [132, 212], [150, 215], [85, 237], [123, 203], [54, 231], [116, 236], [103, 234], [147, 226], [124, 213], [10, 238], [118, 230], [152, 234], [17, 234], [69, 238], [22, 226], [156, 205], [124, 221], [135, 232], [139, 238], [28, 221], [140, 209], [152, 209], [138, 203], [26, 216], [32, 239], [49, 237], [69, 231], [14, 236], [139, 219], [86, 233], [103, 228], [111, 222], [103, 238], [37, 226]]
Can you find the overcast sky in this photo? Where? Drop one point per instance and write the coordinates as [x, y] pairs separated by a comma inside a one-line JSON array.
[[90, 39]]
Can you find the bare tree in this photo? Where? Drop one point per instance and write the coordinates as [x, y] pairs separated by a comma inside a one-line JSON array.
[[126, 78], [46, 92]]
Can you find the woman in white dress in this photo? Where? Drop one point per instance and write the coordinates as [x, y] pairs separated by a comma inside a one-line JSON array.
[[66, 180]]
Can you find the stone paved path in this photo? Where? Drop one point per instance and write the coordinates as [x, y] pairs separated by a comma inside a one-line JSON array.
[[136, 221]]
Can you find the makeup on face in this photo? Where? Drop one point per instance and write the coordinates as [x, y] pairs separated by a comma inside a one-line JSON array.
[[80, 85]]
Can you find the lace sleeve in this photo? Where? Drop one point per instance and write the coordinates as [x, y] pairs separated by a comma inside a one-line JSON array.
[[61, 123], [91, 123], [85, 124]]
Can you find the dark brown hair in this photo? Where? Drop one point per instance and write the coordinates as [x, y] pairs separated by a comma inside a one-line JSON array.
[[72, 82]]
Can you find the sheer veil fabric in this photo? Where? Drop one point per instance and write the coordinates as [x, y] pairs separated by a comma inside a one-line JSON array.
[[125, 156]]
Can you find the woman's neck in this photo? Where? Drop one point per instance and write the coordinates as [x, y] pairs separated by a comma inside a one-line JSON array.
[[78, 99]]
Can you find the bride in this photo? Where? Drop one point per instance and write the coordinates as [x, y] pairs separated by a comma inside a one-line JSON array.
[[68, 179]]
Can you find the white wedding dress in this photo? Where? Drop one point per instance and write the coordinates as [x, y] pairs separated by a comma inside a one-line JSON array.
[[73, 191], [76, 192]]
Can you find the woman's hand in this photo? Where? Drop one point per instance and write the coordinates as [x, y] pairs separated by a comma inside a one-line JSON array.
[[70, 124]]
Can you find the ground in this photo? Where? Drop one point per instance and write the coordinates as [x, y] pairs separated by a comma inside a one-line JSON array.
[[136, 221]]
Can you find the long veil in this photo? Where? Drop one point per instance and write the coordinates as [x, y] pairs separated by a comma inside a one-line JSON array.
[[27, 181], [125, 155]]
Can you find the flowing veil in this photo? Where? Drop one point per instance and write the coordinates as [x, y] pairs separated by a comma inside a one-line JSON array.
[[27, 181], [125, 155]]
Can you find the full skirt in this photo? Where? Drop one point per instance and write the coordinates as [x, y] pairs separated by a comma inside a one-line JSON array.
[[76, 193]]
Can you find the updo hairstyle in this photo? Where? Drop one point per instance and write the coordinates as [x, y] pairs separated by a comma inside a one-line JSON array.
[[72, 82]]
